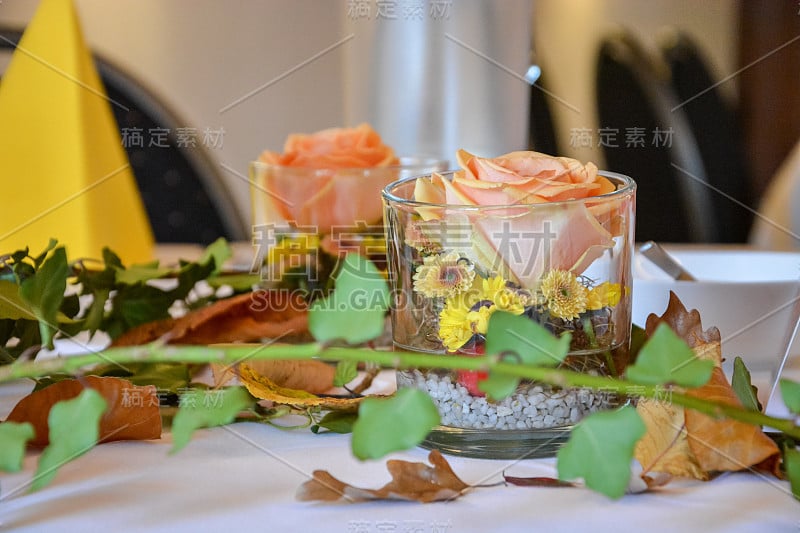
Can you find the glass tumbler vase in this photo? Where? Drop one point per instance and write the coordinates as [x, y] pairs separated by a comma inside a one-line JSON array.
[[565, 265], [306, 218]]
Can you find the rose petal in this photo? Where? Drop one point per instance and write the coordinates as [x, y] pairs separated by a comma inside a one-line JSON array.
[[520, 243]]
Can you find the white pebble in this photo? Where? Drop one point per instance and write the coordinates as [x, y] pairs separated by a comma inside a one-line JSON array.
[[531, 406], [503, 410]]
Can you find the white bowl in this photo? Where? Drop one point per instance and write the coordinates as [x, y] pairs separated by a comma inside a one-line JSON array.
[[749, 295]]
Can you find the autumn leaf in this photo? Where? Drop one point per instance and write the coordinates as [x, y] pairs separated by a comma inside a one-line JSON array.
[[548, 482], [664, 447], [243, 318], [310, 375], [410, 481], [686, 324], [264, 388], [724, 444], [132, 414], [685, 442]]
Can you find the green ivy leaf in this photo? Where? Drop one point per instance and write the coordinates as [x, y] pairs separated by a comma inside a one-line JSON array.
[[74, 429], [13, 437], [790, 393], [346, 371], [791, 461], [386, 425], [743, 387], [170, 377], [531, 342], [135, 305], [237, 282], [336, 421], [600, 450], [220, 251], [638, 338], [355, 311], [205, 409], [44, 292], [665, 358], [141, 273]]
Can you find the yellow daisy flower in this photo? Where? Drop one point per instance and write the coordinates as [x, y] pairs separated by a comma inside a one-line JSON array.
[[468, 312], [455, 328], [443, 275], [505, 299], [566, 296], [604, 295], [479, 319]]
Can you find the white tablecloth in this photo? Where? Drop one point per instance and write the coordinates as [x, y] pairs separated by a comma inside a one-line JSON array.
[[246, 475]]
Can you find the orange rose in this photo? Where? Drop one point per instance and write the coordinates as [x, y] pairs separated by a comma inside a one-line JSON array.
[[326, 179], [526, 241], [358, 147]]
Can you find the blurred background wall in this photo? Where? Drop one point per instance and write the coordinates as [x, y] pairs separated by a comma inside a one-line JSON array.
[[256, 71]]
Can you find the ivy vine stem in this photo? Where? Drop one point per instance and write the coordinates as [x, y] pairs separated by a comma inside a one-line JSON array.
[[234, 354]]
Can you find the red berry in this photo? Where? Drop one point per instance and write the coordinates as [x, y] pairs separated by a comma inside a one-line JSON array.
[[470, 379]]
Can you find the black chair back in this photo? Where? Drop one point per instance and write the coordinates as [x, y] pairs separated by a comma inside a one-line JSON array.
[[542, 136], [716, 130], [643, 137]]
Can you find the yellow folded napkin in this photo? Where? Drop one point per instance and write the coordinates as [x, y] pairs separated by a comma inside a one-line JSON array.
[[63, 170]]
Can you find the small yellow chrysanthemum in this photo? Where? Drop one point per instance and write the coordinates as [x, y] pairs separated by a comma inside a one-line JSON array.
[[604, 295], [468, 312], [479, 319], [566, 297], [505, 299], [455, 328], [443, 275]]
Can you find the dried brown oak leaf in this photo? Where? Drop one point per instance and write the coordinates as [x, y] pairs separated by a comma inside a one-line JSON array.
[[688, 443], [686, 324], [132, 413], [247, 317], [410, 481], [724, 444]]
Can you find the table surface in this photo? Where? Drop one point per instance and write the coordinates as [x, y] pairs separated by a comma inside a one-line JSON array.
[[247, 475]]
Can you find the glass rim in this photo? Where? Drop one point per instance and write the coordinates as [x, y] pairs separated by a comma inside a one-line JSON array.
[[405, 163], [628, 186]]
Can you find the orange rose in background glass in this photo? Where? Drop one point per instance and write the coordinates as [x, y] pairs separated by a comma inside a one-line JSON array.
[[526, 243], [325, 179]]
